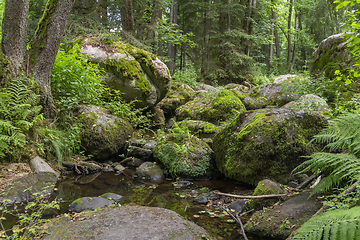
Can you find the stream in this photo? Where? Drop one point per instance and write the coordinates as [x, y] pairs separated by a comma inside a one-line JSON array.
[[166, 195]]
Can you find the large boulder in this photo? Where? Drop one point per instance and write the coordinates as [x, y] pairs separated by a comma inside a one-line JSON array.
[[102, 135], [214, 107], [126, 222], [178, 94], [184, 155], [266, 143], [331, 55], [138, 74], [278, 222], [86, 204], [28, 188], [309, 102]]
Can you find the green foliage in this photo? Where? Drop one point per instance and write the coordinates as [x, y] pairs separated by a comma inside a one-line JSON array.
[[59, 145], [171, 33], [19, 114], [337, 224], [30, 219], [189, 77], [342, 134], [75, 80]]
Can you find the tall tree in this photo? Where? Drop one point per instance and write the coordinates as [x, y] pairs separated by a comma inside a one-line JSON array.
[[44, 47], [289, 34], [171, 46]]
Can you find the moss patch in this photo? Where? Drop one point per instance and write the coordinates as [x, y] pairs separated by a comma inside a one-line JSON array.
[[266, 144]]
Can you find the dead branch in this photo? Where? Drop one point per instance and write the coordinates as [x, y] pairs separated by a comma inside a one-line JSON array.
[[304, 183], [252, 197], [237, 219]]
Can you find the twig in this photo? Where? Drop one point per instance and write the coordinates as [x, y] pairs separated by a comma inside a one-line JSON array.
[[251, 197], [237, 218], [304, 183], [316, 182]]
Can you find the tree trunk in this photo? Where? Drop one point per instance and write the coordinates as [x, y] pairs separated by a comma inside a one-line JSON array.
[[206, 34], [289, 35], [171, 48], [295, 42], [251, 16], [129, 15], [45, 47], [14, 32], [303, 51], [229, 16], [273, 19], [154, 20], [160, 48]]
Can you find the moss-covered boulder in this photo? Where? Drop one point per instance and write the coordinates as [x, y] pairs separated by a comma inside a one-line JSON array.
[[331, 55], [201, 129], [102, 135], [266, 143], [309, 102], [214, 107], [266, 187], [184, 155], [138, 74], [178, 94], [149, 171], [270, 94]]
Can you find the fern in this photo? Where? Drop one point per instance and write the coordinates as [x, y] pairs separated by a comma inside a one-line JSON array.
[[334, 225], [342, 134], [18, 115]]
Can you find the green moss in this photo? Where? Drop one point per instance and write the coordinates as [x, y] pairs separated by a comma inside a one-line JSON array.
[[78, 201], [267, 146], [131, 70], [183, 155], [98, 140], [214, 107]]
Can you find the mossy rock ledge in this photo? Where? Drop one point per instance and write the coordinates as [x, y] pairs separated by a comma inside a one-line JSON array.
[[214, 107], [138, 74], [102, 135], [266, 143]]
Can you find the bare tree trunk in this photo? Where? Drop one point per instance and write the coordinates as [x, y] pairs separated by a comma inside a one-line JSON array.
[[14, 32], [289, 34], [206, 34], [295, 42], [45, 47], [160, 49], [251, 16], [171, 48], [229, 16], [129, 15], [273, 19], [303, 51], [154, 20]]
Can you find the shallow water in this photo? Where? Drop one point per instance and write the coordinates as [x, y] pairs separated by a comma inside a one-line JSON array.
[[166, 195]]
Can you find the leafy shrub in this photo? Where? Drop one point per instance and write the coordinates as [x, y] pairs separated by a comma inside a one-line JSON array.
[[189, 77]]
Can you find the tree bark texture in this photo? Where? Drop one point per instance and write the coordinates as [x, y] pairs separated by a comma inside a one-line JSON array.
[[154, 20], [295, 42], [289, 34], [206, 39], [14, 32], [129, 15], [171, 48], [45, 47]]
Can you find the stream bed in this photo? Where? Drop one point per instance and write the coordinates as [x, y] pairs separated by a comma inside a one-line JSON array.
[[166, 195]]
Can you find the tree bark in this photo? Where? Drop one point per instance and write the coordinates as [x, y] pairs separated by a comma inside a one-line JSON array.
[[171, 48], [273, 19], [14, 32], [206, 39], [129, 15], [289, 34], [154, 20], [229, 16], [45, 47], [303, 51], [160, 47], [295, 42]]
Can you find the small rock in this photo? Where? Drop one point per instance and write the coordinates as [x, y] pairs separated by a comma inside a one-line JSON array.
[[182, 183], [118, 167], [214, 196], [86, 204], [238, 205], [112, 196], [293, 184], [227, 200], [150, 172], [202, 199], [38, 165]]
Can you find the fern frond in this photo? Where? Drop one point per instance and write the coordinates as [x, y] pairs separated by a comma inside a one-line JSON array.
[[334, 225]]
